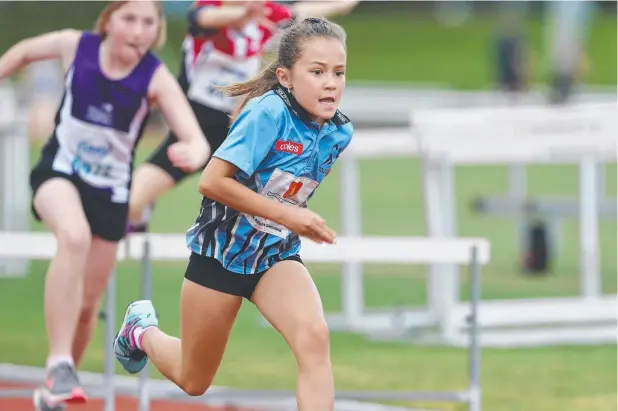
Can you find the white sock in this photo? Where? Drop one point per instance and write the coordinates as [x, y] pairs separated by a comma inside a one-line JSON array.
[[54, 360], [137, 336]]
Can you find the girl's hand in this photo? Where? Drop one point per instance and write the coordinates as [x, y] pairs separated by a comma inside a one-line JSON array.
[[306, 223], [189, 156]]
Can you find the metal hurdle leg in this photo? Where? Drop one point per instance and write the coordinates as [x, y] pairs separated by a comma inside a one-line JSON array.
[[590, 276], [474, 366], [110, 333], [517, 190], [142, 388]]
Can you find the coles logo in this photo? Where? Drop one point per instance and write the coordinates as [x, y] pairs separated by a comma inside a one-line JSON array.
[[289, 147]]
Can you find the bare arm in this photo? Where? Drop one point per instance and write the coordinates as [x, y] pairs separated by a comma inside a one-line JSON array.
[[217, 183], [216, 17], [167, 94], [55, 45], [305, 9]]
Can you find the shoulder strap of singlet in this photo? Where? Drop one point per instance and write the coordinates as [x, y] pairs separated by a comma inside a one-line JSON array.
[[144, 71], [88, 47]]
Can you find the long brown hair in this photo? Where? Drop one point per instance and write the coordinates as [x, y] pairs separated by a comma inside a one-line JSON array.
[[290, 48], [111, 7]]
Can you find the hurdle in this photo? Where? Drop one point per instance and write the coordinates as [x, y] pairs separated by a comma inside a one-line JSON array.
[[580, 134], [583, 134], [14, 163], [473, 252]]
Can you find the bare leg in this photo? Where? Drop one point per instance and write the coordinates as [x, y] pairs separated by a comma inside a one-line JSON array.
[[149, 183], [58, 203], [206, 319], [101, 262], [289, 300]]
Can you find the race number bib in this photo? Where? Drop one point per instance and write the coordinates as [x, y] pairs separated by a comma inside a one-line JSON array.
[[92, 162], [287, 189], [218, 70]]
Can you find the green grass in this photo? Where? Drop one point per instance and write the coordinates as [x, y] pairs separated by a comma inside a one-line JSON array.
[[413, 47], [547, 379]]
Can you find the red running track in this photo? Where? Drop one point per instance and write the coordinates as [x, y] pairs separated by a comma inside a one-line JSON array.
[[122, 404]]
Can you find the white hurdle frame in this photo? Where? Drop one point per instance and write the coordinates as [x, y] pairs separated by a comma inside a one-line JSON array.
[[583, 134], [14, 172], [151, 247]]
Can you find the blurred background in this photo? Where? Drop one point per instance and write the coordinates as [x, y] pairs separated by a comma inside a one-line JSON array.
[[402, 57]]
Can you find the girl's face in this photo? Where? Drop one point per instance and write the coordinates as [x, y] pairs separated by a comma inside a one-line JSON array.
[[133, 29], [317, 79]]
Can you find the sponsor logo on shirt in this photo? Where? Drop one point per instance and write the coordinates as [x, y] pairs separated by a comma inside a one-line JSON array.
[[289, 147]]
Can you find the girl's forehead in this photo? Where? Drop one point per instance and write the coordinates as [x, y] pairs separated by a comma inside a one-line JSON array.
[[141, 7], [324, 49]]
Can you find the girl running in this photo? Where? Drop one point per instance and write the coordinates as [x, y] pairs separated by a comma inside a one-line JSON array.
[[82, 180], [224, 45], [245, 242]]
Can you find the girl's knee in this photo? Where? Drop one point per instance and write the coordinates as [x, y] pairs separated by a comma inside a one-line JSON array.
[[136, 210], [74, 238], [195, 388], [311, 342]]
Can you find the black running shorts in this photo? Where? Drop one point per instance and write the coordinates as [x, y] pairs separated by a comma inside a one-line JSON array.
[[107, 220], [208, 272]]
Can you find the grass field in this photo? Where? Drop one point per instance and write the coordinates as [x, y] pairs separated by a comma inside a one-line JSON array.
[[548, 379], [461, 57]]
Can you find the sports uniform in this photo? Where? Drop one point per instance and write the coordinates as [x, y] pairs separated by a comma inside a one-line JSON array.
[[282, 155], [217, 57], [98, 125]]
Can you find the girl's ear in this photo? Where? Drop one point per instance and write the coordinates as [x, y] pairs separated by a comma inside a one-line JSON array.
[[283, 75]]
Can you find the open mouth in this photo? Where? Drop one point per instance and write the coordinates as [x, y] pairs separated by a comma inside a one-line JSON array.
[[135, 47], [327, 101]]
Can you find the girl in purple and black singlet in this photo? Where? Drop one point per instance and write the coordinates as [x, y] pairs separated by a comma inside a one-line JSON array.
[[100, 121]]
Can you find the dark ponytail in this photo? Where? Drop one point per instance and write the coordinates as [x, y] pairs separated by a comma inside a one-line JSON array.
[[255, 87]]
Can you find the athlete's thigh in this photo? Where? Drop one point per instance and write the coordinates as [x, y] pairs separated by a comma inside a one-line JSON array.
[[58, 204], [288, 298], [206, 320], [100, 264]]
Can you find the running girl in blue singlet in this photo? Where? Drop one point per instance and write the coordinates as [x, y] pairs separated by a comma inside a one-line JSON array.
[[246, 240], [81, 183]]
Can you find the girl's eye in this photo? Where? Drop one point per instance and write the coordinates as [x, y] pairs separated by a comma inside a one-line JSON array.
[[341, 73], [316, 71]]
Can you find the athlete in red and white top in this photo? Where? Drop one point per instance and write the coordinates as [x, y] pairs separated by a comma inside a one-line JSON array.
[[224, 45]]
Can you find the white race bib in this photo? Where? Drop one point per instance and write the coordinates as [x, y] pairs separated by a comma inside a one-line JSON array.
[[287, 189], [216, 69], [93, 161]]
